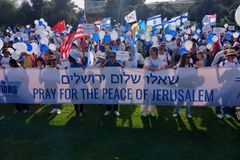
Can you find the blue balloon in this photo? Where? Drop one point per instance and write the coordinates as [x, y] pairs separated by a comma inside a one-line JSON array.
[[164, 39], [210, 35], [43, 48], [142, 25], [107, 39], [173, 32], [114, 48], [182, 51], [228, 36], [29, 47], [138, 36], [96, 37], [127, 27], [209, 40]]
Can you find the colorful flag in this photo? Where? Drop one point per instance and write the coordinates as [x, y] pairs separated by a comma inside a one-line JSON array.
[[131, 17], [60, 26], [210, 20]]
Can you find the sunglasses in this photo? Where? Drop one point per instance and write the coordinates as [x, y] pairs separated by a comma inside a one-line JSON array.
[[112, 56]]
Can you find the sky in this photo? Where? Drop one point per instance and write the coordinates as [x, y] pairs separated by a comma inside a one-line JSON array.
[[80, 3]]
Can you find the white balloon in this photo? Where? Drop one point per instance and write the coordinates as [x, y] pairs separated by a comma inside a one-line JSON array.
[[44, 41], [10, 50], [154, 39], [209, 46], [42, 20], [101, 35], [48, 28], [237, 15], [169, 37], [1, 44], [188, 31], [236, 35], [52, 47], [45, 23], [193, 28], [114, 35], [15, 55], [20, 47], [122, 38], [36, 22], [225, 26], [215, 39], [36, 48], [188, 45], [186, 36]]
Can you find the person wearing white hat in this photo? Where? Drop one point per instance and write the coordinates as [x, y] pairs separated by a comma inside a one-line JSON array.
[[229, 63], [101, 60], [53, 64]]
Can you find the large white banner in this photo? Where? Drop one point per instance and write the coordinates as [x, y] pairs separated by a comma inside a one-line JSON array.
[[196, 87]]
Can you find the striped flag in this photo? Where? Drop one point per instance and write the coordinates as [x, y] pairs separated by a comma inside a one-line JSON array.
[[80, 33], [74, 35], [67, 45]]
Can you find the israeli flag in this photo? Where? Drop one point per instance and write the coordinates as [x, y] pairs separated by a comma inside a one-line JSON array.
[[165, 22], [184, 17], [155, 21], [106, 23]]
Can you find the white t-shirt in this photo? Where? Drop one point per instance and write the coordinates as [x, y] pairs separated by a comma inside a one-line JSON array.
[[228, 64], [122, 47], [153, 63], [164, 59], [5, 62], [129, 64]]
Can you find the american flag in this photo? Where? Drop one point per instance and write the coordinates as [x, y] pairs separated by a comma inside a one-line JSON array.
[[76, 34]]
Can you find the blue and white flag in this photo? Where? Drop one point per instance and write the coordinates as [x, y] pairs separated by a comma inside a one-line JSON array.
[[165, 22], [106, 23], [155, 21], [90, 58], [176, 21], [184, 17]]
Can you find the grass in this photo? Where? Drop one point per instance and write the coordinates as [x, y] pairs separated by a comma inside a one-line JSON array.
[[41, 136]]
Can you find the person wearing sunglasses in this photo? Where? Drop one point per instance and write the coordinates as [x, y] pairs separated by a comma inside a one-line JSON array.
[[185, 62], [112, 62]]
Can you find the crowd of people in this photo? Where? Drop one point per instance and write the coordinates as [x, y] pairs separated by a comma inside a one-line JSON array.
[[161, 55]]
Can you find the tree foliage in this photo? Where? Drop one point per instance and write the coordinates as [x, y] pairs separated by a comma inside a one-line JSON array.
[[225, 9]]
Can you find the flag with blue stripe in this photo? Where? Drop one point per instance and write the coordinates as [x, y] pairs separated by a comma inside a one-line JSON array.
[[155, 21], [106, 23], [184, 17]]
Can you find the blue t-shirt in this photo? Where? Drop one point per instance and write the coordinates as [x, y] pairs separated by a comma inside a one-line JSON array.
[[76, 65], [109, 64]]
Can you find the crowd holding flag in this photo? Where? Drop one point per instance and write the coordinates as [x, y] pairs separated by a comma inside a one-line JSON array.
[[178, 43]]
